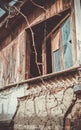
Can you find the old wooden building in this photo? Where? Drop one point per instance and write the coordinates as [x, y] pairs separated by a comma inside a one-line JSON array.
[[40, 65]]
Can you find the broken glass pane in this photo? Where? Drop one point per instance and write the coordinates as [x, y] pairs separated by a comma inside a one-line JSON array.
[[12, 2], [2, 12], [57, 64], [65, 31], [67, 44]]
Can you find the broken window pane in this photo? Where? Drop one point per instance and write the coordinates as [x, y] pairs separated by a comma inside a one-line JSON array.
[[2, 12], [56, 51], [57, 64], [67, 45], [12, 2]]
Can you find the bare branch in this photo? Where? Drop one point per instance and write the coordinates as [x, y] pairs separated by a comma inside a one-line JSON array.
[[37, 5]]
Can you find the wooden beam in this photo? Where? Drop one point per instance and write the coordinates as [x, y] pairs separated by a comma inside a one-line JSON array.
[[44, 65], [73, 33], [58, 25], [32, 80], [27, 55]]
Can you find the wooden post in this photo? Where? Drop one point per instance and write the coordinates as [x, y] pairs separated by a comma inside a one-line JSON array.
[[77, 9], [27, 55], [73, 34], [44, 67]]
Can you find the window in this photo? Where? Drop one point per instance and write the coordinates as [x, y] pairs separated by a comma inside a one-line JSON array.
[[55, 41], [53, 46], [62, 47]]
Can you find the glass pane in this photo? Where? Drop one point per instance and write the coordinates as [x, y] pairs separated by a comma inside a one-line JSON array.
[[12, 2], [67, 44], [57, 64], [65, 31], [2, 12]]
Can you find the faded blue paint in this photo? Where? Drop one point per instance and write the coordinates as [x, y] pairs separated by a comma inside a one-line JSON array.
[[67, 45], [57, 64], [65, 31]]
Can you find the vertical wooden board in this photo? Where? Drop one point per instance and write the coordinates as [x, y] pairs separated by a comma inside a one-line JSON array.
[[28, 55], [6, 59], [55, 41], [58, 5], [77, 8], [14, 60], [53, 9], [9, 59], [73, 32], [61, 4], [44, 67], [66, 3], [1, 71], [22, 55]]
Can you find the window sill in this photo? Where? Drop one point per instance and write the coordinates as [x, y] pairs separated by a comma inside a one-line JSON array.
[[39, 78]]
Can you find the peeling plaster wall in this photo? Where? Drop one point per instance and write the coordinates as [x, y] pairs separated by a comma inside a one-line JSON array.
[[8, 101], [42, 112], [38, 105]]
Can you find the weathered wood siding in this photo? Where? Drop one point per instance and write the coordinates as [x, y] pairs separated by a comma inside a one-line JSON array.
[[57, 7], [77, 9], [39, 15], [12, 58], [13, 49]]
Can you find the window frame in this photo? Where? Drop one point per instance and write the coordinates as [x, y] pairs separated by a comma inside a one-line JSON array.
[[61, 47], [56, 28]]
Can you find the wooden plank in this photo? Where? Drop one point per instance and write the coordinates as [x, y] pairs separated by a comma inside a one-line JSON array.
[[44, 66], [55, 41], [73, 32], [47, 76], [27, 55], [77, 9], [22, 55], [57, 26], [66, 3]]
